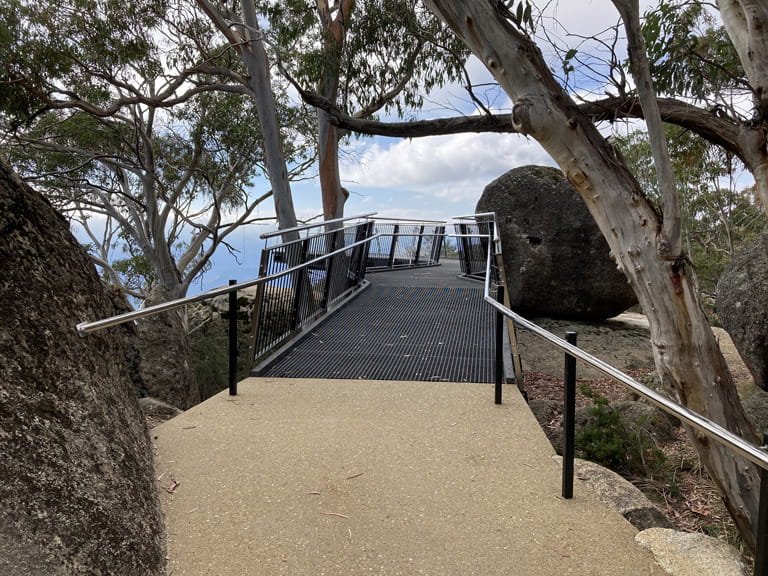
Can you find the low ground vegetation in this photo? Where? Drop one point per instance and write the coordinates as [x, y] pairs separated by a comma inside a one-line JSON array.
[[667, 469]]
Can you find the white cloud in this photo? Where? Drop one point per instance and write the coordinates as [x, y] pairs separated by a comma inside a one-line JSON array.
[[452, 168]]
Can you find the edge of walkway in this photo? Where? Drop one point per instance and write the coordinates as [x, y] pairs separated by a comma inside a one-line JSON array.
[[313, 477]]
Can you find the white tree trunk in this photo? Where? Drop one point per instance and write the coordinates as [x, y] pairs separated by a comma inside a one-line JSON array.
[[685, 351], [255, 58], [670, 239], [746, 22], [250, 46]]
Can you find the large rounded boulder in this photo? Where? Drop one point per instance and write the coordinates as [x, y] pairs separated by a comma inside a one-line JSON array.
[[742, 305], [78, 494], [556, 261]]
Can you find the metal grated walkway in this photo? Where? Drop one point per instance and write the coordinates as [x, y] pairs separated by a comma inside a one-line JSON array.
[[420, 325]]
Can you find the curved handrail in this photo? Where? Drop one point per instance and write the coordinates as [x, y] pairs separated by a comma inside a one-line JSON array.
[[712, 429], [84, 328], [316, 225]]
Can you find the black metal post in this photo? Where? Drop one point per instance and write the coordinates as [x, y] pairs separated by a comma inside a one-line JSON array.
[[418, 246], [233, 340], [438, 244], [569, 417], [761, 543], [499, 368], [465, 258], [328, 292], [393, 246], [358, 256], [300, 279]]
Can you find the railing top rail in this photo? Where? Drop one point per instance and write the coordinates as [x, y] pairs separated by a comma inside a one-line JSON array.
[[310, 237], [84, 328], [712, 429], [317, 225], [475, 216], [412, 220]]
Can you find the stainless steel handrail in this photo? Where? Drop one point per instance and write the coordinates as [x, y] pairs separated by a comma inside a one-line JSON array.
[[475, 216], [712, 429], [318, 225], [411, 221], [84, 328]]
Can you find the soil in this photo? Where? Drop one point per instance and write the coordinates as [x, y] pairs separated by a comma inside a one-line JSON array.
[[687, 495]]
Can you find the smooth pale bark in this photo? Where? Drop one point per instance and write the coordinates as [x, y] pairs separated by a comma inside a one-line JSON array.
[[670, 239], [250, 47], [746, 22], [334, 28], [255, 58], [686, 353]]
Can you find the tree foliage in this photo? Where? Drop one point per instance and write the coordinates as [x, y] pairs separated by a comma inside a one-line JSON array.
[[364, 57], [393, 53], [691, 54], [139, 126], [719, 213]]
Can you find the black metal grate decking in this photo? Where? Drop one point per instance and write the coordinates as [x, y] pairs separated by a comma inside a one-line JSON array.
[[440, 331]]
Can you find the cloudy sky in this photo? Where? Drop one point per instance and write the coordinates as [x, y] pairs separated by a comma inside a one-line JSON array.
[[429, 178]]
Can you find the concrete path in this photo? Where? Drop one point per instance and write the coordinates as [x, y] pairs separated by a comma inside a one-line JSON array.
[[334, 477]]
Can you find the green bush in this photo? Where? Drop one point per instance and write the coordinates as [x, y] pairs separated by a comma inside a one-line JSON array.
[[606, 440]]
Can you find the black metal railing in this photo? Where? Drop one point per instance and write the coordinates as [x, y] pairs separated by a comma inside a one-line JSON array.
[[289, 301], [472, 242], [405, 244], [756, 454], [349, 252]]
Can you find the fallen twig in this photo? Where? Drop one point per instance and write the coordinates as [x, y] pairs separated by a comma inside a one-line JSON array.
[[334, 514]]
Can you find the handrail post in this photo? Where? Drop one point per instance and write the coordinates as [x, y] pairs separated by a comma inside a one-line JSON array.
[[233, 340], [418, 246], [367, 232], [761, 541], [336, 237], [569, 417], [437, 246], [392, 246], [465, 257], [300, 279], [499, 367]]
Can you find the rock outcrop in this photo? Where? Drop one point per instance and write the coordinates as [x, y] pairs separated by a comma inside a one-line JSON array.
[[78, 494], [742, 305], [691, 554], [556, 261], [620, 495]]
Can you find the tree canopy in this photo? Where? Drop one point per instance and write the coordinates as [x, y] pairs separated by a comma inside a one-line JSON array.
[[150, 143]]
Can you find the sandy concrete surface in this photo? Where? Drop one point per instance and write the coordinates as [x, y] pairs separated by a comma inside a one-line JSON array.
[[334, 477]]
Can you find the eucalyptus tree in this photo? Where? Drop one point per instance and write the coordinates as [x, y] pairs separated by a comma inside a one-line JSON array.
[[138, 125], [719, 211], [244, 34], [364, 57], [367, 57], [644, 238]]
